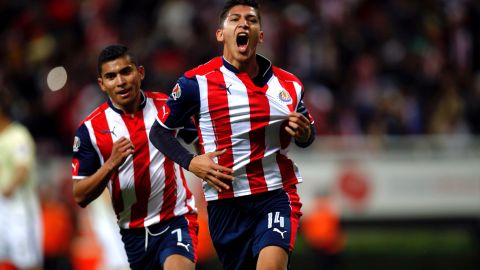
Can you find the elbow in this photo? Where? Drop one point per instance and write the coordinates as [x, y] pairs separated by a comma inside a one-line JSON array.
[[82, 202], [80, 199]]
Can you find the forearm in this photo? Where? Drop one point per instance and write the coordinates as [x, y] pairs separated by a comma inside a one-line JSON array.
[[90, 188], [166, 143]]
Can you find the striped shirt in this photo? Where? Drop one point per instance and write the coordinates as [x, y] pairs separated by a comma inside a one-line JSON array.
[[244, 117], [148, 187]]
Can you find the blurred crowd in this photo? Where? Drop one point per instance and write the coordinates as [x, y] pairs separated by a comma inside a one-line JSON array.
[[369, 67], [397, 67]]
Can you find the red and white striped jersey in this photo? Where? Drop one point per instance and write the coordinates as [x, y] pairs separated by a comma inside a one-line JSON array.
[[235, 113], [148, 187]]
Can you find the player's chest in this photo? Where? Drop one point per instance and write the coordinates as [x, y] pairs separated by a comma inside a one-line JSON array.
[[233, 95], [131, 126]]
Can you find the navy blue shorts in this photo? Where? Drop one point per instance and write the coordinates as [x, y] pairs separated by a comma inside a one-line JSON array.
[[149, 248], [241, 227]]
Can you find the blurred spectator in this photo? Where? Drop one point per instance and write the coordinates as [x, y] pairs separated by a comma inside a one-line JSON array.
[[20, 223], [321, 228], [368, 54]]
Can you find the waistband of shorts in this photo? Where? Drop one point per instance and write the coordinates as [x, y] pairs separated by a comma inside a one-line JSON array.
[[154, 228]]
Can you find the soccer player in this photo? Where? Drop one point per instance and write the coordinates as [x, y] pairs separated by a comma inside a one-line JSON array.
[[247, 112], [20, 222], [154, 208]]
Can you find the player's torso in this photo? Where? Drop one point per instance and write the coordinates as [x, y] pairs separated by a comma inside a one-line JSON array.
[[148, 187], [246, 119]]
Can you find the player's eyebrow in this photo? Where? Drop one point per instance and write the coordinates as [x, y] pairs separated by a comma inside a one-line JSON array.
[[124, 70]]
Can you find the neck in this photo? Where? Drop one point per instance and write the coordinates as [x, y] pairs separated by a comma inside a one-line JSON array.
[[249, 66]]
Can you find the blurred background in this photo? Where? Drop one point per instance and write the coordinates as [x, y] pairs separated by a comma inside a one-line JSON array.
[[393, 179]]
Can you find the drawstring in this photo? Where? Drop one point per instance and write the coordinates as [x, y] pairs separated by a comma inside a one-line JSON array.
[[147, 232]]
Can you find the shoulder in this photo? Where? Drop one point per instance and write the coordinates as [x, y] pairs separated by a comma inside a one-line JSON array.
[[19, 132], [284, 75], [208, 67], [95, 113], [156, 95]]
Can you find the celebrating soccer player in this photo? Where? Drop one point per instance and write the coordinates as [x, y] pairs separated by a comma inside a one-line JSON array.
[[155, 209], [247, 113]]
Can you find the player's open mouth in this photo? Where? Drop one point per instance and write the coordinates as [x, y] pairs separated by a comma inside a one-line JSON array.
[[242, 42], [123, 93]]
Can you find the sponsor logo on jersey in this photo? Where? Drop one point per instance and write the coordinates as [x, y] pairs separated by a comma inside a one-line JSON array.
[[76, 144], [176, 92], [285, 97]]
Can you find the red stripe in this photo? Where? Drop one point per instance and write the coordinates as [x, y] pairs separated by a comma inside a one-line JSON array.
[[295, 215], [187, 190], [287, 170], [259, 118], [199, 132], [285, 138], [193, 232], [170, 191], [104, 143], [219, 113], [141, 162], [289, 179]]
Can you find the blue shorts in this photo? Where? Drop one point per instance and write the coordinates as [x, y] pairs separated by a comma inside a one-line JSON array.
[[241, 227], [148, 248]]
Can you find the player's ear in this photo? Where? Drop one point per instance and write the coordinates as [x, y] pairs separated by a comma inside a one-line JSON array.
[[260, 37], [100, 83], [141, 71], [219, 35]]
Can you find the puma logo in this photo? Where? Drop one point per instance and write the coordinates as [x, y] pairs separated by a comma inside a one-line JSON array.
[[180, 244], [74, 166], [226, 87], [106, 131], [280, 232], [165, 112]]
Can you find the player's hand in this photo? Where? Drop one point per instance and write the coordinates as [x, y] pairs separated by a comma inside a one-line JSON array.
[[298, 126], [212, 173], [121, 149]]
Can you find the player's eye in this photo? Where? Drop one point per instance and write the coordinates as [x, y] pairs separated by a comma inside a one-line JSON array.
[[109, 76], [126, 71]]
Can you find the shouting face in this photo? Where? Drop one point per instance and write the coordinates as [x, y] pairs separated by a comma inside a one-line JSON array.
[[240, 34]]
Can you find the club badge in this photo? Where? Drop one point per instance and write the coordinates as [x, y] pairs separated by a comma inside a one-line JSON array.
[[285, 97], [76, 144], [176, 92]]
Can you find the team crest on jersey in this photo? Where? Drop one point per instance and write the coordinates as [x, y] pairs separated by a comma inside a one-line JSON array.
[[76, 144], [176, 92], [285, 97]]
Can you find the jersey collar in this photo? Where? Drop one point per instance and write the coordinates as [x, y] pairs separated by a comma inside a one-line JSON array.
[[117, 110], [264, 72]]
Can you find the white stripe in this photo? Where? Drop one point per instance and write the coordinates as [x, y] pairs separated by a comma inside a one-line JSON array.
[[206, 129], [93, 140], [157, 176], [125, 171]]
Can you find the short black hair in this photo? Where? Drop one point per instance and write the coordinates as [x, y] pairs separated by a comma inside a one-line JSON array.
[[231, 3], [113, 52]]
